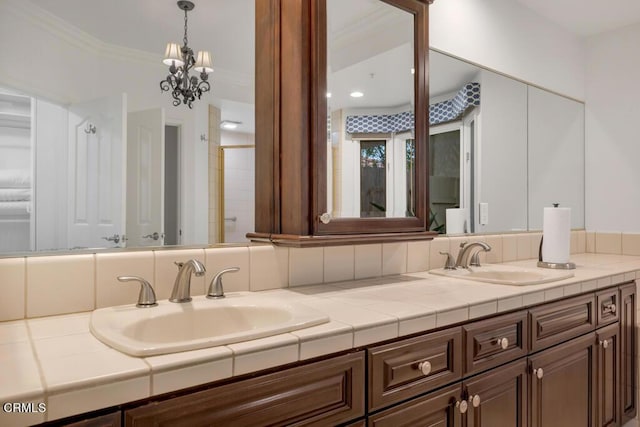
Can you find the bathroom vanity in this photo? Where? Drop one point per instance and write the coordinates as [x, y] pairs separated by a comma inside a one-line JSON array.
[[571, 361]]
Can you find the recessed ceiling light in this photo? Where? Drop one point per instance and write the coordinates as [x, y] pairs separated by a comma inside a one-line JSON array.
[[356, 94], [328, 94], [229, 124]]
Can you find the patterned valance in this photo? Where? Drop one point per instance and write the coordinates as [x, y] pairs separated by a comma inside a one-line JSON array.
[[451, 109], [441, 112], [381, 123]]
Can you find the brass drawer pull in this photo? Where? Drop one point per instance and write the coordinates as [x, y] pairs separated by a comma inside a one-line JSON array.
[[425, 367]]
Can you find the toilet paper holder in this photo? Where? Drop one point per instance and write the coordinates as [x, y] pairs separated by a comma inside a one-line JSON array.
[[554, 265]]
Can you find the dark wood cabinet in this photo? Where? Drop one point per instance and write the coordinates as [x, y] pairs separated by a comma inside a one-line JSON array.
[[628, 346], [607, 304], [113, 419], [562, 384], [498, 397], [324, 393], [608, 376]]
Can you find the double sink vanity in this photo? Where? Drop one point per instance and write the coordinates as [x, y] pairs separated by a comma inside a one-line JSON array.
[[387, 351]]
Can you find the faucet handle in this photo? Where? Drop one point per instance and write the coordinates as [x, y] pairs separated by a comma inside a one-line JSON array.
[[147, 297], [449, 264], [216, 290]]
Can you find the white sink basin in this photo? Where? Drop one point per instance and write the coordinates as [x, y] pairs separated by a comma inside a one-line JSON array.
[[172, 327], [506, 274]]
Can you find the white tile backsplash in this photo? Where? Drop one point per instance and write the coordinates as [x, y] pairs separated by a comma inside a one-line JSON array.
[[268, 267], [12, 288], [60, 284], [339, 262], [368, 261], [51, 285], [306, 266]]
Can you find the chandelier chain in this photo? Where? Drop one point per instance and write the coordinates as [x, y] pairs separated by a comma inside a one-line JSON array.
[[185, 29]]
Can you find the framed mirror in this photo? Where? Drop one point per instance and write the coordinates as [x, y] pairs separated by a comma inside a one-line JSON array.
[[371, 112]]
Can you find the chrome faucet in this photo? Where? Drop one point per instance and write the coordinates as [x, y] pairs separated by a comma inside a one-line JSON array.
[[215, 287], [182, 287], [465, 250]]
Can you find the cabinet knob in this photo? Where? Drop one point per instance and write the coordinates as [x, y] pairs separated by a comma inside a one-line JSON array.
[[462, 406], [539, 373], [425, 367], [609, 308], [325, 218], [503, 342], [604, 344], [475, 400]]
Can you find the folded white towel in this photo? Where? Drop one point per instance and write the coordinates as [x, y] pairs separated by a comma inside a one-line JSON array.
[[15, 194], [15, 178], [14, 208]]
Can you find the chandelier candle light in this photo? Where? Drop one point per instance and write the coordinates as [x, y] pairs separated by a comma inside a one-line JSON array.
[[185, 88]]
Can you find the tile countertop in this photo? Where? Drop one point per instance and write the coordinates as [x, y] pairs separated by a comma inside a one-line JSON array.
[[56, 361]]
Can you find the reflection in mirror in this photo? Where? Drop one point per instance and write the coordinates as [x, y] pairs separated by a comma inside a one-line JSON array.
[[513, 152], [93, 154], [370, 102]]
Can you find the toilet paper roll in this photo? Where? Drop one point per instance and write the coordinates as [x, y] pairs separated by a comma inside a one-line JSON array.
[[456, 221], [556, 230]]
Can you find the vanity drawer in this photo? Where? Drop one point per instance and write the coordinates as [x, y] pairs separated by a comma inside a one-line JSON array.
[[560, 321], [404, 369], [607, 303], [492, 342], [328, 392]]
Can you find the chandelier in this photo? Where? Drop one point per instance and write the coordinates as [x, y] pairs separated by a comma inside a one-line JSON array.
[[184, 88]]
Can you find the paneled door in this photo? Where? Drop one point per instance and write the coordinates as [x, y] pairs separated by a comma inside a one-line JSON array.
[[145, 178], [96, 177]]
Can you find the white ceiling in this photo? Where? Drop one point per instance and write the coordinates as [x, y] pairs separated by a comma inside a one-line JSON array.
[[586, 18]]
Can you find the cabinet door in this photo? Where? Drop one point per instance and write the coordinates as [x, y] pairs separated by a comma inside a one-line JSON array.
[[607, 376], [498, 397], [324, 393], [108, 420], [628, 346], [562, 384], [437, 409]]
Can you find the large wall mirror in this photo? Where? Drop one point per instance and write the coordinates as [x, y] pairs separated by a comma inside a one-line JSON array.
[[501, 150], [94, 155]]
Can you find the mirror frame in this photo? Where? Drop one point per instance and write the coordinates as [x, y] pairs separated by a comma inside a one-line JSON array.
[[419, 223]]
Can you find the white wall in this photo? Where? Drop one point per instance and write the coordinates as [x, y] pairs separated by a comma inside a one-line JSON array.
[[612, 142], [505, 36]]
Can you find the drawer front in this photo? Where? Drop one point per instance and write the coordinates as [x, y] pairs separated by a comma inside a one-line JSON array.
[[607, 305], [407, 368], [323, 393], [557, 322], [492, 342]]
